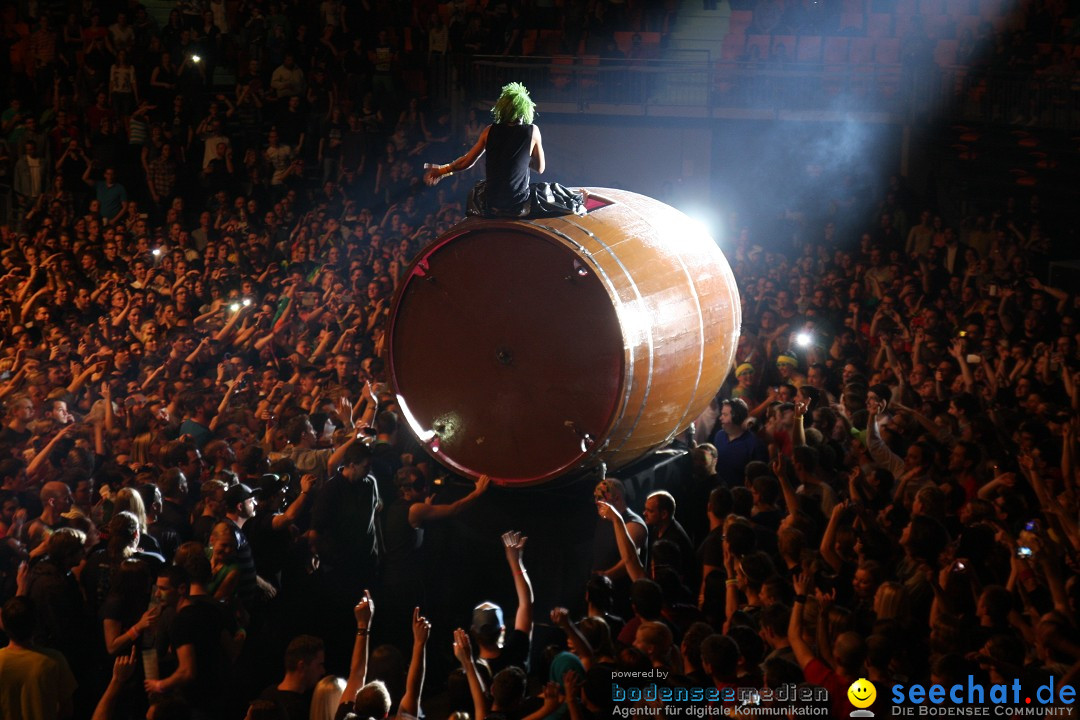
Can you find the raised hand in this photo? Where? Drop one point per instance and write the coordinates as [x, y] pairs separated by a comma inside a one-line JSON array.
[[421, 628], [124, 667], [514, 543], [482, 484], [560, 616], [801, 581], [607, 510], [462, 647], [345, 408], [777, 466], [364, 610]]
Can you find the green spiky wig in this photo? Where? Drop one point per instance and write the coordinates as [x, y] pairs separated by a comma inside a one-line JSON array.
[[514, 105]]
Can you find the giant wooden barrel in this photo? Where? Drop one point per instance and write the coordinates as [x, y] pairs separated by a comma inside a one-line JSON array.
[[529, 349]]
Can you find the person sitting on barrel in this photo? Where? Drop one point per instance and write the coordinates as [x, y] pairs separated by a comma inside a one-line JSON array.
[[513, 146]]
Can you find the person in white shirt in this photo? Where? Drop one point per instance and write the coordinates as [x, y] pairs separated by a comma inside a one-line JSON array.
[[288, 79]]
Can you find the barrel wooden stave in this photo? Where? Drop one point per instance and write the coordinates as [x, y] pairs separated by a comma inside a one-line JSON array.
[[637, 331]]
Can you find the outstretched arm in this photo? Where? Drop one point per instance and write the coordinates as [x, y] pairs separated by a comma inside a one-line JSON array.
[[421, 513], [435, 173]]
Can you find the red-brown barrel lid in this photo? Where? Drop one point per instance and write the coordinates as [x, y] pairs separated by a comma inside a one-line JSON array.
[[506, 352]]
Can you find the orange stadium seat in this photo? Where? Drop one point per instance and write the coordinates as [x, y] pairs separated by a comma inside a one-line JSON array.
[[931, 7], [887, 51], [733, 47], [761, 43], [836, 50], [561, 71], [879, 25], [852, 21], [808, 49], [862, 50]]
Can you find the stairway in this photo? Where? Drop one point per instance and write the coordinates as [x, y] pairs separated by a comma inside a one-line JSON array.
[[695, 39], [698, 34]]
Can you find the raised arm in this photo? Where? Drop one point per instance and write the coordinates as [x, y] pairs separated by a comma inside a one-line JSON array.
[[879, 451], [803, 653], [941, 435], [420, 513], [828, 540], [39, 460], [463, 653], [363, 612], [414, 683], [287, 518], [560, 617], [1058, 294], [798, 429], [123, 669], [627, 550], [957, 351], [514, 544]]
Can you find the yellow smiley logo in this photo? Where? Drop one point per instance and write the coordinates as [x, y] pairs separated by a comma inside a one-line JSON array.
[[862, 693]]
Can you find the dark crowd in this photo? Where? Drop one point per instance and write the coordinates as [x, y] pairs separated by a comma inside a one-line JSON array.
[[207, 486]]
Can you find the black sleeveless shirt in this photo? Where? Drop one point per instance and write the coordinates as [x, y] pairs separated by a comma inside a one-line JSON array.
[[508, 165], [403, 543]]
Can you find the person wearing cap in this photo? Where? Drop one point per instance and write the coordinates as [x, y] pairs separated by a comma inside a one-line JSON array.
[[270, 531], [496, 648], [240, 504]]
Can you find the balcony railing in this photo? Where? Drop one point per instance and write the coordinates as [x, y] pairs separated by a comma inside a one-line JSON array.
[[893, 93]]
